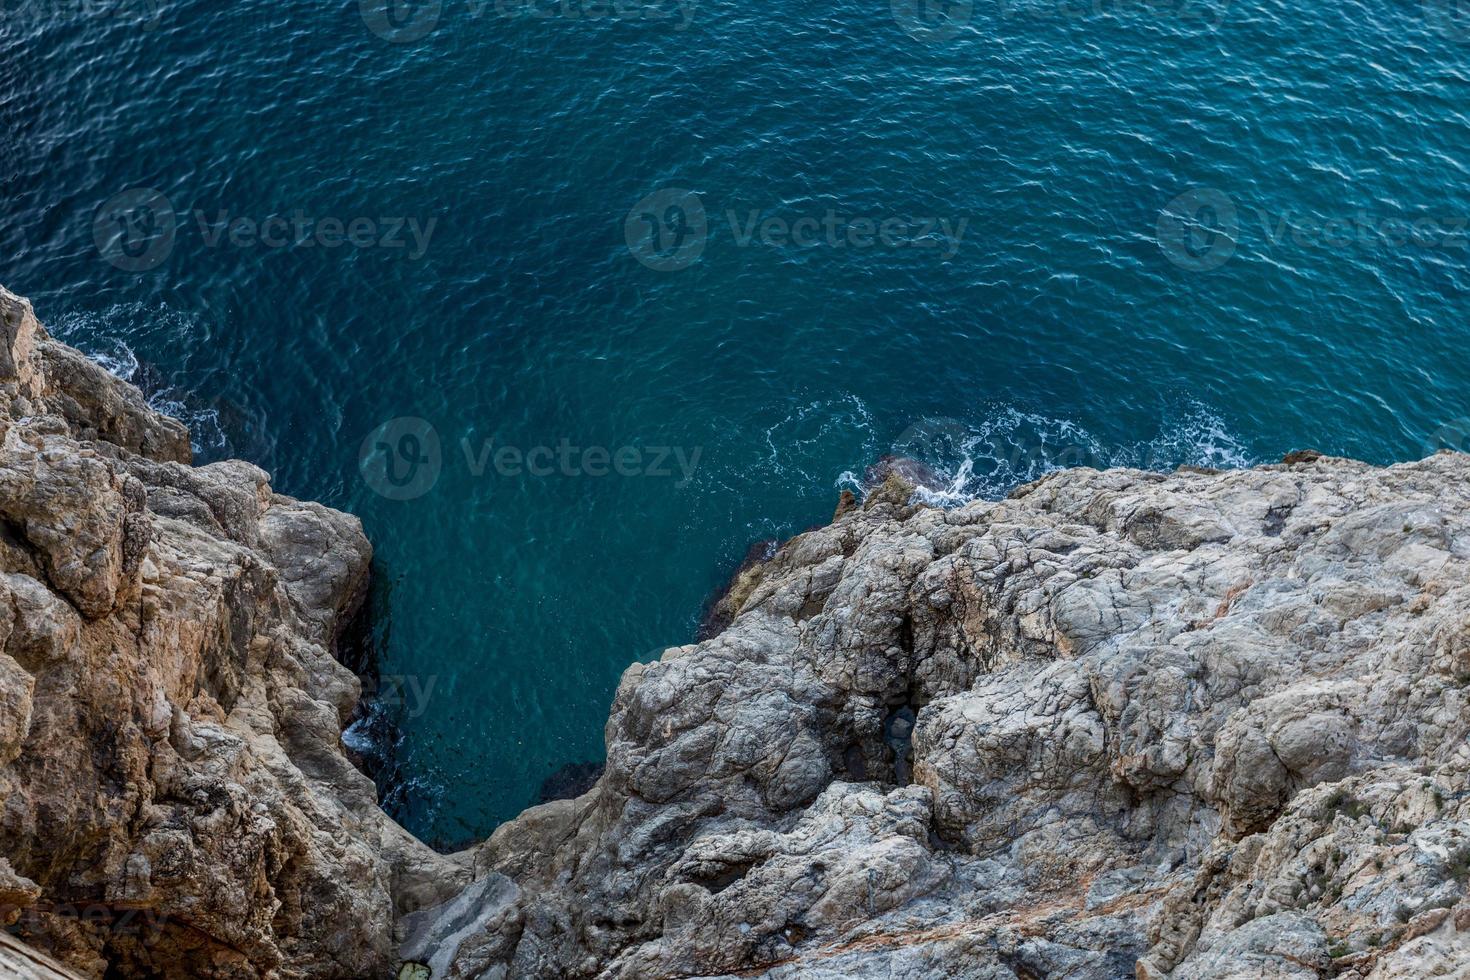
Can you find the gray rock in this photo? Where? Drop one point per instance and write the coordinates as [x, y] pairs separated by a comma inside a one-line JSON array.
[[1197, 725]]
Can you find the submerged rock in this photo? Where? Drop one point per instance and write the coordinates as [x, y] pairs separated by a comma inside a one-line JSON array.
[[911, 471], [722, 607], [569, 782]]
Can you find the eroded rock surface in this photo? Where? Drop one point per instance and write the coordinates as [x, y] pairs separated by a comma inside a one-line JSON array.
[[1197, 725], [174, 801]]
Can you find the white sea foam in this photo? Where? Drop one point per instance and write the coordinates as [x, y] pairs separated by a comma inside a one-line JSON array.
[[102, 337], [813, 424], [1005, 447]]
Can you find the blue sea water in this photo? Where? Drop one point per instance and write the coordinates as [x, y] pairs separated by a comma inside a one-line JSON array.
[[572, 301]]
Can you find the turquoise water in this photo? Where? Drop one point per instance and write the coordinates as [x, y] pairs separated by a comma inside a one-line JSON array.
[[1037, 300]]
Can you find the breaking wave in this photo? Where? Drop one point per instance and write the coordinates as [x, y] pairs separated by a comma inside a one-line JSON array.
[[101, 336], [991, 456]]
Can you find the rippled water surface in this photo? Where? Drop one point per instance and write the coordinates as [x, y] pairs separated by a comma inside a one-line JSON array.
[[1041, 294]]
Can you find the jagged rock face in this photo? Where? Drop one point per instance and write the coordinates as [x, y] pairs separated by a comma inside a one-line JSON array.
[[174, 800], [1198, 725]]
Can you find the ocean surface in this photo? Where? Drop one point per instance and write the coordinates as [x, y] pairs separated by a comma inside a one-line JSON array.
[[571, 301]]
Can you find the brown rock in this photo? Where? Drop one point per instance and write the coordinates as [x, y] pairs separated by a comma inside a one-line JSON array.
[[174, 800]]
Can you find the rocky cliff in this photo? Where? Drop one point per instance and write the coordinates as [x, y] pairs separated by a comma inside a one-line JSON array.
[[1195, 725], [174, 800]]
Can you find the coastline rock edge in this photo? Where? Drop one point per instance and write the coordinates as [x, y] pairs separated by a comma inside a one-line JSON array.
[[1193, 725], [174, 799], [1203, 724]]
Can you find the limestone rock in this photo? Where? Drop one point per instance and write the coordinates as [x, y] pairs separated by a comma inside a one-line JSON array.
[[1192, 725], [174, 798], [40, 377], [1198, 725]]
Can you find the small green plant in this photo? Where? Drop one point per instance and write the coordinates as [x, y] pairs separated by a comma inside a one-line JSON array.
[[1341, 801]]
